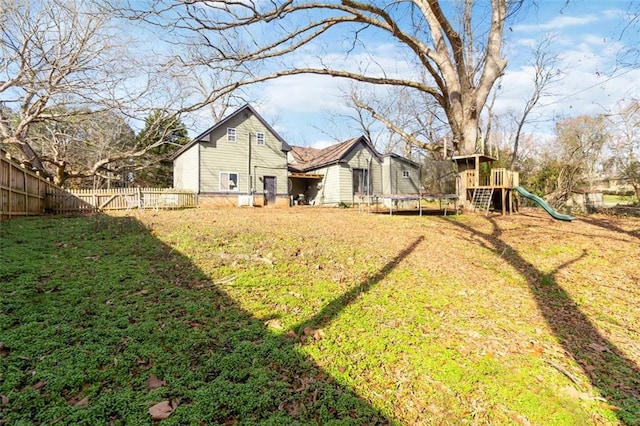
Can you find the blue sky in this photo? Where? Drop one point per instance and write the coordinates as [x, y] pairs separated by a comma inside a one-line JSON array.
[[586, 39]]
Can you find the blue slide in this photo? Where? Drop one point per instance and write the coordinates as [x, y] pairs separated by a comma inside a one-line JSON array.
[[542, 203]]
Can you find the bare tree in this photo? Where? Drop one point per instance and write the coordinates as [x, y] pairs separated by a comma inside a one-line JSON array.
[[626, 144], [580, 142], [71, 148], [48, 54], [411, 119], [65, 77], [457, 44], [545, 74]]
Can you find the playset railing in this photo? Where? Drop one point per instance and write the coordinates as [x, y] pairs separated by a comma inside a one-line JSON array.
[[496, 178]]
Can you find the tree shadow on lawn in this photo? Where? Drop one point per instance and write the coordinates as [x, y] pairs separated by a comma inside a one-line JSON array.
[[611, 372], [122, 321], [333, 308], [606, 224]]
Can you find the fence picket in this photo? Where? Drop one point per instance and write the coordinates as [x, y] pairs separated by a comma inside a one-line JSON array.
[[91, 200], [25, 193]]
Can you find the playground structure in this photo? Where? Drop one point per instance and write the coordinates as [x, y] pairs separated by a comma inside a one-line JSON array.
[[480, 186]]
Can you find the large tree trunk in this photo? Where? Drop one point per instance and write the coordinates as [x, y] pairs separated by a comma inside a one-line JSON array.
[[469, 136], [28, 156]]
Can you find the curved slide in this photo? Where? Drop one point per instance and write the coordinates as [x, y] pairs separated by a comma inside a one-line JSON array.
[[542, 203]]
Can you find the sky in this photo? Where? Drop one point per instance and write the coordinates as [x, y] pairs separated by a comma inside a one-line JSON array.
[[587, 37]]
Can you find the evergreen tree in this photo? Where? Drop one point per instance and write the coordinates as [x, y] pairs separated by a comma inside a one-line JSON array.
[[169, 134]]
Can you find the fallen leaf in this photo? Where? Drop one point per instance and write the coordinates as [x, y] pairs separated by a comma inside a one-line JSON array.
[[305, 383], [292, 408], [82, 403], [534, 349], [610, 407], [39, 385], [161, 410], [318, 334], [4, 401], [292, 334], [575, 393], [274, 324], [598, 347], [154, 382]]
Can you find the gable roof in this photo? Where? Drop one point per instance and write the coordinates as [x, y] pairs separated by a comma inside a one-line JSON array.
[[312, 158], [401, 158], [284, 145]]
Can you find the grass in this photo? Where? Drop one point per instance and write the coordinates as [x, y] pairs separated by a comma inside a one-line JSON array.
[[610, 199], [319, 316]]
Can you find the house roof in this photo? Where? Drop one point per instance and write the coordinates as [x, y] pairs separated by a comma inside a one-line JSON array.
[[307, 159], [401, 158], [284, 145]]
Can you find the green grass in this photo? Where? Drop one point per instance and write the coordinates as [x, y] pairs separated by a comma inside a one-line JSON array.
[[620, 199], [92, 307], [327, 317]]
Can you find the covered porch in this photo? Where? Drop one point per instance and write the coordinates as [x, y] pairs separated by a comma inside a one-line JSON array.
[[304, 188]]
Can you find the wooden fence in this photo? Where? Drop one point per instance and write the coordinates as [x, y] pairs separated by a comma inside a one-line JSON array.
[[25, 193], [92, 200], [22, 192]]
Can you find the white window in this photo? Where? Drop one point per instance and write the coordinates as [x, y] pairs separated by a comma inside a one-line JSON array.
[[260, 138], [228, 181], [231, 134], [406, 174]]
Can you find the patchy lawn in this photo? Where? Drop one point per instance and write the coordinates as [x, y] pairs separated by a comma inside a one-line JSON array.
[[319, 316]]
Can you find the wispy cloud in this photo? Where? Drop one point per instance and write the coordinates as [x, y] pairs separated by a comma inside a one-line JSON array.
[[558, 24]]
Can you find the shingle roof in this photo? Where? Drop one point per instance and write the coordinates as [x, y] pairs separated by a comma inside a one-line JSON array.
[[312, 158]]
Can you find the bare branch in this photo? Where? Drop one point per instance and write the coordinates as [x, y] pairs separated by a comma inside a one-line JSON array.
[[253, 40]]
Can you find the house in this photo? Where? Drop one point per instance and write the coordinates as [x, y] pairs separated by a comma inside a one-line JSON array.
[[241, 160], [349, 172]]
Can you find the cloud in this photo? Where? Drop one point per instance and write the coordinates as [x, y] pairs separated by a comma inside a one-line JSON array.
[[586, 52], [559, 24], [302, 93], [583, 41]]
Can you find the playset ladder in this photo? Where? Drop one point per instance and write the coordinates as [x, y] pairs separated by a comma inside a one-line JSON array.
[[482, 199]]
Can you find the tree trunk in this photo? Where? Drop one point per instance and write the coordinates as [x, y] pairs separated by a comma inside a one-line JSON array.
[[29, 156], [469, 142], [60, 176]]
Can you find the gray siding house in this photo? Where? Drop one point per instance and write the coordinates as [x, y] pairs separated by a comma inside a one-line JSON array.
[[349, 172], [400, 175], [241, 160]]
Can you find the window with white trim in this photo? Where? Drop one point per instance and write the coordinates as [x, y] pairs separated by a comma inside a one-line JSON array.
[[228, 181], [406, 174], [231, 134], [260, 138]]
